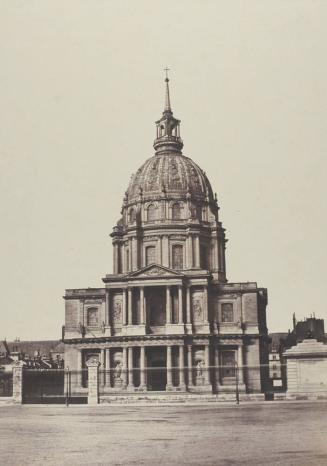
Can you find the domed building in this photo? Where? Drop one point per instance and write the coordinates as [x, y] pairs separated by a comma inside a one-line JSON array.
[[167, 319]]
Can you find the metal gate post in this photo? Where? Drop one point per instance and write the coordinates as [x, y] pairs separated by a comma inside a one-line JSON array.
[[67, 385], [236, 383]]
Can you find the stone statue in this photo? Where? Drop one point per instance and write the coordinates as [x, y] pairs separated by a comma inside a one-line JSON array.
[[118, 370], [199, 369]]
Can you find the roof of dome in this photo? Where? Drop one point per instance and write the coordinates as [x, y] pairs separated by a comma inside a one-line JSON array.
[[169, 173]]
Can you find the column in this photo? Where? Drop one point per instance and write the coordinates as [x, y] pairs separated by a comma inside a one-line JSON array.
[[181, 368], [135, 253], [190, 254], [159, 250], [124, 371], [180, 305], [142, 316], [108, 369], [240, 363], [142, 368], [165, 251], [205, 304], [130, 369], [220, 260], [168, 305], [93, 381], [107, 311], [102, 367], [207, 364], [130, 309], [124, 307], [189, 365], [217, 377], [169, 385], [115, 258], [188, 305], [197, 251], [130, 255], [17, 374], [79, 375]]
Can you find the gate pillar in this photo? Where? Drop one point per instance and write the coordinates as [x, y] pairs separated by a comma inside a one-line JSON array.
[[93, 381], [17, 389]]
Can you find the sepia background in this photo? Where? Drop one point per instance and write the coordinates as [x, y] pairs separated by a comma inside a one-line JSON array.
[[81, 84]]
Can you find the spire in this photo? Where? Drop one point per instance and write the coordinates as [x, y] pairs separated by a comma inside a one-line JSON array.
[[167, 101], [168, 138]]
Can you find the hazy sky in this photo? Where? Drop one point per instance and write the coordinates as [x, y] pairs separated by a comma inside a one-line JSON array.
[[81, 84]]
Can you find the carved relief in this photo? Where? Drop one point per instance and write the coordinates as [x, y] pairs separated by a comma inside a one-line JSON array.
[[197, 306], [155, 271], [117, 307]]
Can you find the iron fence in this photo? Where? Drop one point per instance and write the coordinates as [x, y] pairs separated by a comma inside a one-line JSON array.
[[50, 386], [6, 383]]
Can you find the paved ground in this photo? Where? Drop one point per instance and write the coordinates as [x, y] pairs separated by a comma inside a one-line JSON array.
[[225, 435]]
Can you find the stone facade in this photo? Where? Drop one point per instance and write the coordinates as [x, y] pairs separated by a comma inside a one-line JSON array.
[[307, 370], [167, 319]]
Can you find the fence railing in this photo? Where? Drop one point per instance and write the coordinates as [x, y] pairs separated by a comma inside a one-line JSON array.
[[73, 386], [6, 384]]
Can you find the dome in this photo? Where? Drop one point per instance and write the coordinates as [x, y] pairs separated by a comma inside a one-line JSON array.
[[170, 174]]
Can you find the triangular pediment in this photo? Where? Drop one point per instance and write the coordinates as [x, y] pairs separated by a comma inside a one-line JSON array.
[[155, 270]]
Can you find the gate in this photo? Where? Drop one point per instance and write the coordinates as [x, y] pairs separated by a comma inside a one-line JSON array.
[[51, 386], [5, 383]]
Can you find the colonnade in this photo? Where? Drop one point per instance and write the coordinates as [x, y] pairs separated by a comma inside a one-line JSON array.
[[188, 373], [124, 262], [127, 305]]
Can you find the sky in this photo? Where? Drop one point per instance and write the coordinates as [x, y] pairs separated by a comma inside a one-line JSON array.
[[81, 84]]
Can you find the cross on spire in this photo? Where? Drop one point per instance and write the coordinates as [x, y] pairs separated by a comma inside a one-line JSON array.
[[167, 99]]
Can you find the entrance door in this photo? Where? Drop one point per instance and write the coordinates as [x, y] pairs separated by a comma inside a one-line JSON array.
[[157, 372]]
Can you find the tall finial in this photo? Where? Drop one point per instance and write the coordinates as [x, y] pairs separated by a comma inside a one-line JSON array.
[[167, 103]]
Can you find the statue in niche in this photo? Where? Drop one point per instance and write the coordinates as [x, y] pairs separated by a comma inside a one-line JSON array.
[[199, 380], [199, 369], [117, 374], [117, 311], [118, 370], [197, 309]]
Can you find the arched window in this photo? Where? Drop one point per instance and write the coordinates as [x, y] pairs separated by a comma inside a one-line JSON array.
[[150, 255], [177, 256], [92, 317], [132, 215], [152, 212], [176, 211]]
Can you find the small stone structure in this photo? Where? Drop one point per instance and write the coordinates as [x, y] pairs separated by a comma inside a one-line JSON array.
[[17, 371], [93, 381], [306, 370]]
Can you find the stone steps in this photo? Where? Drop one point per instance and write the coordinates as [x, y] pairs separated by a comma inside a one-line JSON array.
[[182, 398]]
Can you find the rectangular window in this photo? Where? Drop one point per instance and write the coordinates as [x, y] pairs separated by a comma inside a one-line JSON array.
[[177, 253], [150, 255], [92, 317], [228, 363], [227, 312]]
